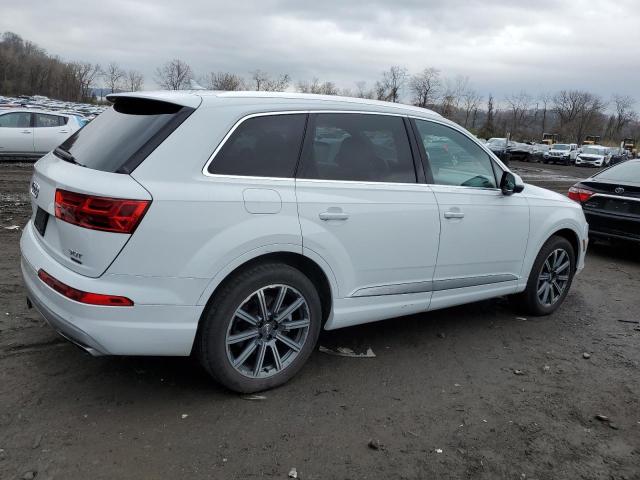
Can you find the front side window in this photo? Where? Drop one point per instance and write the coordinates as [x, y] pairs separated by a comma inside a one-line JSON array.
[[16, 120], [358, 147], [454, 158], [264, 146], [44, 120]]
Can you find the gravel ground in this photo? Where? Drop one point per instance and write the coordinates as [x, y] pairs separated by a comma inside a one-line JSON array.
[[469, 392]]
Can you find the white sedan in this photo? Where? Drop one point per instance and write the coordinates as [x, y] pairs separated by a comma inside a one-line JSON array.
[[32, 133]]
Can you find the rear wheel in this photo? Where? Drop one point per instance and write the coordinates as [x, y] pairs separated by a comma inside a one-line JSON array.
[[260, 328], [550, 277]]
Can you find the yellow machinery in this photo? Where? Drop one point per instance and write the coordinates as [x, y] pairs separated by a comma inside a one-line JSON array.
[[591, 140], [549, 138]]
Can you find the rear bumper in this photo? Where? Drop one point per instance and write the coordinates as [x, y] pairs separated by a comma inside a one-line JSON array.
[[143, 329], [622, 227]]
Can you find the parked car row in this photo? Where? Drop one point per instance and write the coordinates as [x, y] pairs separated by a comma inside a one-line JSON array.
[[32, 133], [562, 153], [33, 126]]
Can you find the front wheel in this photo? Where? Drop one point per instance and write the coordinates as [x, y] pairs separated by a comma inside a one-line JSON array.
[[550, 277], [260, 328]]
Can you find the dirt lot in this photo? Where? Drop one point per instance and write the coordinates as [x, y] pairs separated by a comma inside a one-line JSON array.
[[441, 398]]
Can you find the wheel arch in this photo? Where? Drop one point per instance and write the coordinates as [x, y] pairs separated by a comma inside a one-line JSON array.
[[306, 265], [572, 237]]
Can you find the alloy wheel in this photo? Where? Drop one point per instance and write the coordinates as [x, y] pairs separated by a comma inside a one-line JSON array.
[[267, 331], [554, 277]]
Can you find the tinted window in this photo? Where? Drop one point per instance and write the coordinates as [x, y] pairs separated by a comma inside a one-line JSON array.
[[46, 121], [454, 158], [626, 172], [16, 120], [358, 147], [120, 138], [265, 146]]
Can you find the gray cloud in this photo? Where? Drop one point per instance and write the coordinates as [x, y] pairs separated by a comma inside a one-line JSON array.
[[504, 46]]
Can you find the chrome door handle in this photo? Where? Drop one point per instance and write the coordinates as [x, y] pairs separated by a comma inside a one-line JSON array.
[[64, 131], [333, 216], [26, 131], [453, 215]]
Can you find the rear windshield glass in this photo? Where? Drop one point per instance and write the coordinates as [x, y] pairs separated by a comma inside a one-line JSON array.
[[120, 138], [628, 171]]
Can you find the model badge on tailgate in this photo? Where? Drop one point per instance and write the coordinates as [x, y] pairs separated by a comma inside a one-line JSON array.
[[35, 189]]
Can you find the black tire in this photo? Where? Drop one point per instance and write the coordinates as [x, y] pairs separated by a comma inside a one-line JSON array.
[[211, 343], [529, 300]]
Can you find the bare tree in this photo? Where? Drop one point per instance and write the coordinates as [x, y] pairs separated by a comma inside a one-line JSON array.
[[579, 112], [624, 113], [135, 80], [470, 101], [390, 86], [224, 81], [545, 100], [362, 91], [263, 81], [425, 87], [174, 75], [113, 76], [519, 105], [488, 129], [86, 74], [453, 94], [315, 86]]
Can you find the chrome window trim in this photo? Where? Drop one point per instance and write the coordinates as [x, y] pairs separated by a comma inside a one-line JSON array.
[[457, 128], [224, 140]]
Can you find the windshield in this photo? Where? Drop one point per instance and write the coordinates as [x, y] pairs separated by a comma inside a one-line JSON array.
[[625, 172], [592, 151], [561, 146]]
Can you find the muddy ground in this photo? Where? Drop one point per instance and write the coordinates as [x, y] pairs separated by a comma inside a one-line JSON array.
[[441, 399]]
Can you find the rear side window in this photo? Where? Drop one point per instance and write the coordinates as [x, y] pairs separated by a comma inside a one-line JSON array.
[[16, 120], [120, 138], [264, 146], [454, 158], [358, 147], [44, 120]]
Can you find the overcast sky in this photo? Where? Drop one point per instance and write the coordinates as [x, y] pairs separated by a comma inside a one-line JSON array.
[[504, 46]]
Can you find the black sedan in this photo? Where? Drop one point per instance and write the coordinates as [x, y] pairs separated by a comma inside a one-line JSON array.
[[611, 202]]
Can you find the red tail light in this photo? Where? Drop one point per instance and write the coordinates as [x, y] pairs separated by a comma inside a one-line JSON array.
[[579, 194], [83, 297], [100, 213]]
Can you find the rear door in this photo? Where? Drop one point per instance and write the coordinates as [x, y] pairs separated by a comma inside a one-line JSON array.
[[361, 207], [16, 133], [49, 131], [484, 233], [78, 189]]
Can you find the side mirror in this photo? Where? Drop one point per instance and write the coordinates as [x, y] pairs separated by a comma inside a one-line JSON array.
[[511, 183]]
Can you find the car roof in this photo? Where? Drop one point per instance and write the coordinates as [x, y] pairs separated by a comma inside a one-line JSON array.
[[303, 101]]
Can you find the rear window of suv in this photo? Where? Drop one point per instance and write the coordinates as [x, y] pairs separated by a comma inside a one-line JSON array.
[[119, 139], [263, 146]]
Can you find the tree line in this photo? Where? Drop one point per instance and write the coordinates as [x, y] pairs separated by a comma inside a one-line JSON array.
[[27, 69]]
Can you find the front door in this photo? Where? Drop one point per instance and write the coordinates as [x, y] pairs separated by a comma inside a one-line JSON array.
[[484, 233], [16, 134]]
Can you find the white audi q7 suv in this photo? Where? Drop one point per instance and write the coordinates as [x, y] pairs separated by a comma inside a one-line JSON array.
[[238, 225]]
